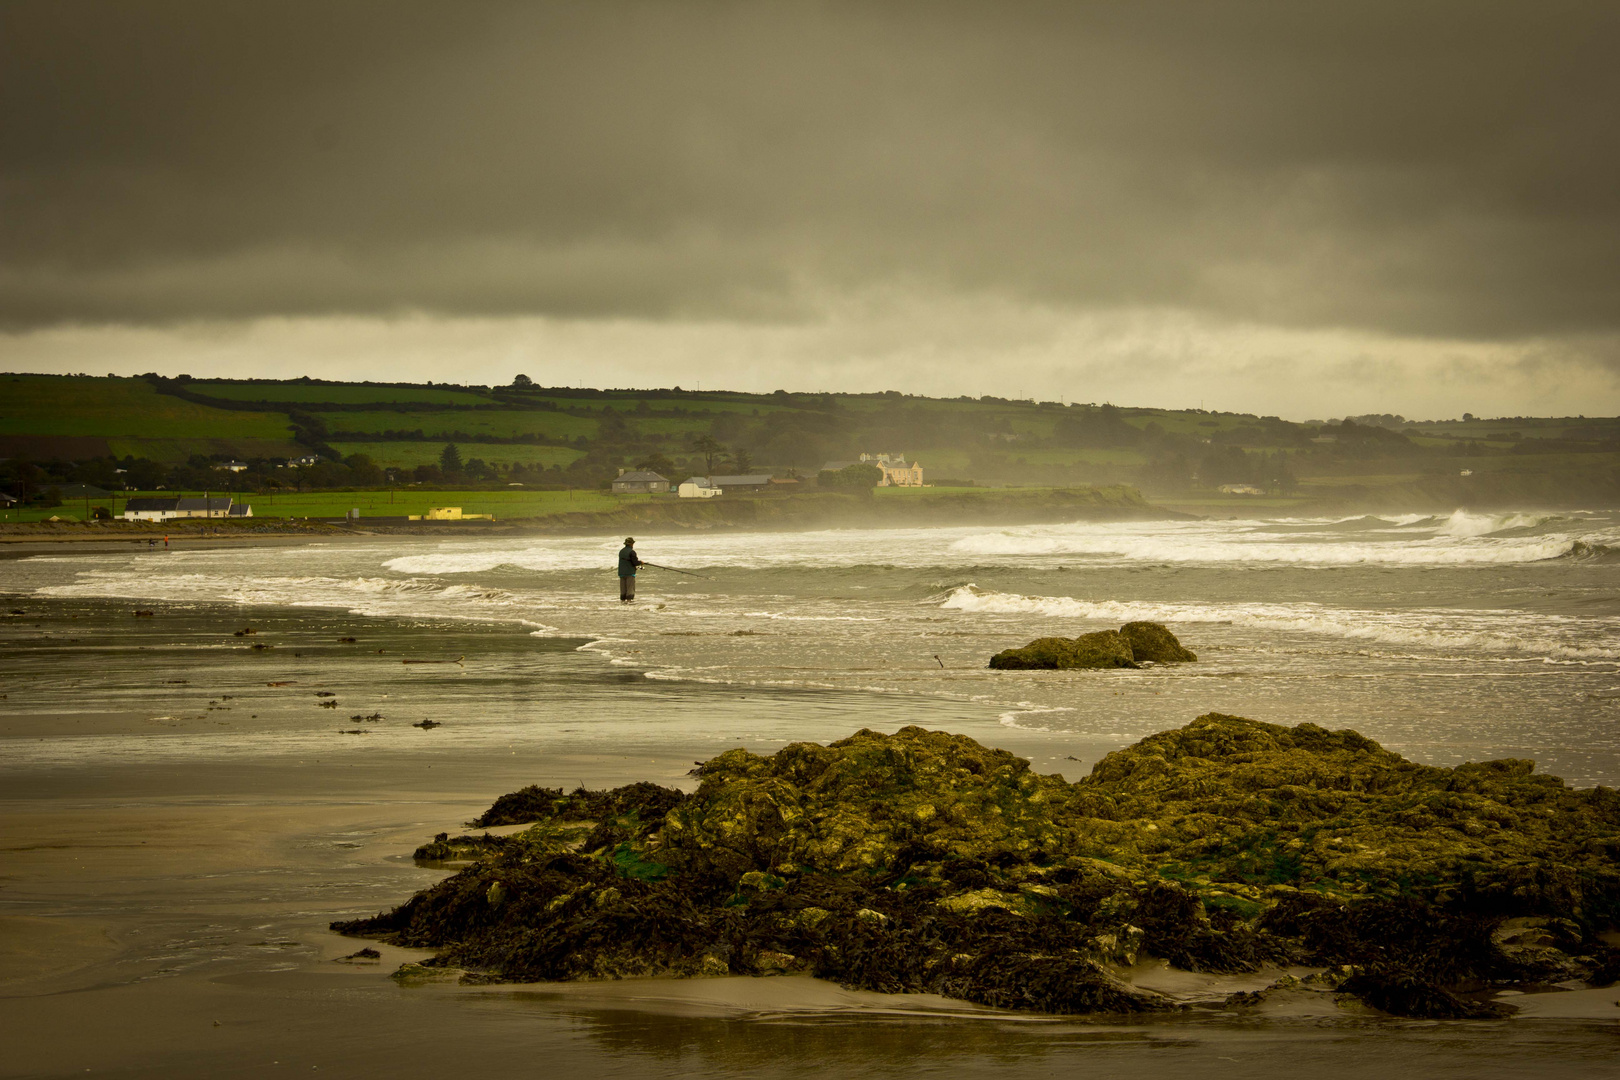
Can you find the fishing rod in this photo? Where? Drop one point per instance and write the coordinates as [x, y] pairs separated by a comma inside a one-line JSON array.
[[672, 570]]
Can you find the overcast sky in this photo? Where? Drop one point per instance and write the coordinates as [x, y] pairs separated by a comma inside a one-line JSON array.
[[1297, 208]]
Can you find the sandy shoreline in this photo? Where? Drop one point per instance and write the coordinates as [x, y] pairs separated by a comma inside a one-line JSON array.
[[170, 870]]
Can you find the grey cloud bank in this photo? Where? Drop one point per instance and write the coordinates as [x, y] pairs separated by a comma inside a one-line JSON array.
[[1409, 190]]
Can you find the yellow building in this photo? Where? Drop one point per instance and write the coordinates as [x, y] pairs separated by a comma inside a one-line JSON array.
[[450, 513], [896, 471]]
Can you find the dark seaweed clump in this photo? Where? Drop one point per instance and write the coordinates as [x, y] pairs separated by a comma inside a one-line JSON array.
[[1131, 646], [923, 861]]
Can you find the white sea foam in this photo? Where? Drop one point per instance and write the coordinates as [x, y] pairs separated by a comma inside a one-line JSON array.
[[1463, 523], [1227, 546]]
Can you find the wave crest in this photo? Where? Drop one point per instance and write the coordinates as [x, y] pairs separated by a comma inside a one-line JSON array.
[[1462, 631]]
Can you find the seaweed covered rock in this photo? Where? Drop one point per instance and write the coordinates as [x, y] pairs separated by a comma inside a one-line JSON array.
[[923, 861], [1102, 649], [1132, 645], [1151, 641]]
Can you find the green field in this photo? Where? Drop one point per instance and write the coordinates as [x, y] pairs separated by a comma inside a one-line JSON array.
[[131, 408], [498, 423], [297, 393], [512, 503], [412, 454]]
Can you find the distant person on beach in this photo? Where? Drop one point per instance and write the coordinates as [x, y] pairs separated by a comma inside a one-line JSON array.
[[628, 561]]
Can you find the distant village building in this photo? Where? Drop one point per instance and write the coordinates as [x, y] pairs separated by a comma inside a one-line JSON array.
[[231, 466], [436, 513], [206, 507], [182, 507], [151, 509], [640, 483], [894, 467], [751, 482], [304, 462], [6, 501], [1241, 489], [698, 487]]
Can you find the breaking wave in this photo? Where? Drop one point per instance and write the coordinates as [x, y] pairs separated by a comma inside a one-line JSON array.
[[1453, 630]]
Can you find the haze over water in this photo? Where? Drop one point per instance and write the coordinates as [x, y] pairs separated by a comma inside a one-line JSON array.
[[1447, 638]]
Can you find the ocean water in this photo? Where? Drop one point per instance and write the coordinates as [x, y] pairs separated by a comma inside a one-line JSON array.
[[1448, 638]]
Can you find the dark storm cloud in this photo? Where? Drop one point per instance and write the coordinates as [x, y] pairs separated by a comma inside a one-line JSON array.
[[1439, 168]]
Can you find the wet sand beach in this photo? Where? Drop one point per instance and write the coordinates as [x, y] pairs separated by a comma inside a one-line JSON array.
[[183, 815]]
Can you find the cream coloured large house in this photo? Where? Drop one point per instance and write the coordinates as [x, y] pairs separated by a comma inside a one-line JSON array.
[[896, 471]]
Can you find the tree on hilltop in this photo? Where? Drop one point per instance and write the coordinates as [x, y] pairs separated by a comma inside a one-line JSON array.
[[710, 448], [658, 463]]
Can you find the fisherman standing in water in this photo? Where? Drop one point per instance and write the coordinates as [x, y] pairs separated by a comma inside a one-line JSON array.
[[628, 561]]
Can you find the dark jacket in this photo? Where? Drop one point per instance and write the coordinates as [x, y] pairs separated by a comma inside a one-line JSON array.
[[628, 561]]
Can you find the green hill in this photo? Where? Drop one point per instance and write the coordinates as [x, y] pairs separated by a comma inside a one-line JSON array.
[[569, 437]]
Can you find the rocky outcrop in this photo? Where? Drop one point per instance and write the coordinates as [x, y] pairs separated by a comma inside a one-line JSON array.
[[1131, 646], [1153, 641], [923, 861]]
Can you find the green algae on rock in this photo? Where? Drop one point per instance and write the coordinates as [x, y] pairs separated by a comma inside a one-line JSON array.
[[1153, 641], [1130, 646], [923, 861]]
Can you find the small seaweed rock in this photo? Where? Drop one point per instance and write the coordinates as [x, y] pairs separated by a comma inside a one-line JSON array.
[[1103, 649], [1132, 645], [1153, 641]]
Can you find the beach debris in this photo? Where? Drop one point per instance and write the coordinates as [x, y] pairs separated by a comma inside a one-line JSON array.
[[941, 662], [364, 956], [176, 682], [353, 731], [141, 613], [1132, 645], [326, 704], [457, 660], [925, 862], [326, 693], [373, 717], [284, 682], [427, 724], [348, 640], [246, 631], [18, 611], [261, 646]]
